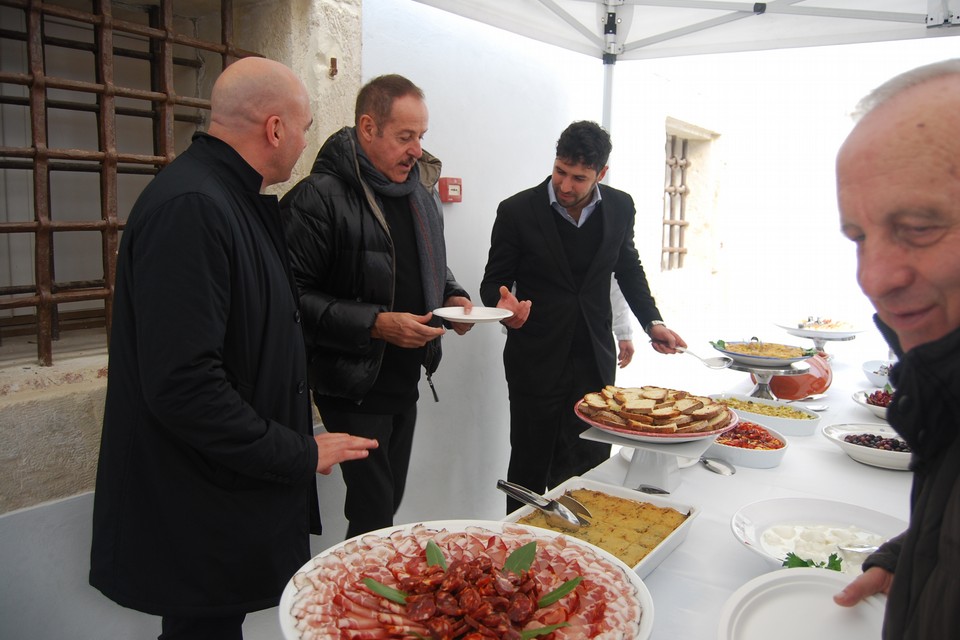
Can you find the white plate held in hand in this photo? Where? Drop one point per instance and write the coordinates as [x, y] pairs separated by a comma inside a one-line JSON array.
[[797, 604], [476, 315]]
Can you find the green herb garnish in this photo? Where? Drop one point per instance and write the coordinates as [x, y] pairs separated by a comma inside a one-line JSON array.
[[522, 558], [541, 631], [793, 561], [559, 592], [435, 555], [394, 595]]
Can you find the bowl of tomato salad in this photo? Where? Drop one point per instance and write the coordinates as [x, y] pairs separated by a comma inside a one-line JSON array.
[[750, 445]]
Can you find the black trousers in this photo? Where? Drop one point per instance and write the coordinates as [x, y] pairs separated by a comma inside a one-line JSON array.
[[375, 484], [545, 444], [226, 628]]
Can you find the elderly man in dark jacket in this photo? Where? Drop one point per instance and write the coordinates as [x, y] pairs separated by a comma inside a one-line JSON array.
[[898, 184], [206, 486], [365, 234]]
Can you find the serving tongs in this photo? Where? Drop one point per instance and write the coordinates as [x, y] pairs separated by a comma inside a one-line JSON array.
[[565, 512]]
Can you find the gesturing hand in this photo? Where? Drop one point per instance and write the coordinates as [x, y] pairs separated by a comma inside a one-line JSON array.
[[521, 310], [334, 448]]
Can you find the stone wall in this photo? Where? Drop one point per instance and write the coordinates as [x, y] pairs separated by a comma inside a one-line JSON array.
[[49, 430], [50, 417]]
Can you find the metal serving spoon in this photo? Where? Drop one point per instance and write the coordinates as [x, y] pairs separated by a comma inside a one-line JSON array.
[[813, 406], [719, 362], [557, 514], [856, 554], [649, 488], [716, 465]]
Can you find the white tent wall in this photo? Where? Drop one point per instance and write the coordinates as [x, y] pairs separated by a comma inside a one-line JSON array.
[[497, 106]]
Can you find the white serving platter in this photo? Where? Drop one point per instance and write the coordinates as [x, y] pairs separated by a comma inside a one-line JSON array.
[[753, 458], [288, 597], [751, 521], [826, 334], [657, 438], [760, 361], [896, 460], [860, 397], [786, 426], [653, 559]]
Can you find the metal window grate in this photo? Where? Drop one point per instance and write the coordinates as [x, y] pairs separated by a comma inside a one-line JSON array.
[[152, 48], [674, 204]]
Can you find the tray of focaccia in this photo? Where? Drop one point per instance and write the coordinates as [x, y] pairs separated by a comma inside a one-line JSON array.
[[655, 412]]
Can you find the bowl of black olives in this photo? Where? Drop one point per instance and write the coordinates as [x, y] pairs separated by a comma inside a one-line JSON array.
[[873, 444]]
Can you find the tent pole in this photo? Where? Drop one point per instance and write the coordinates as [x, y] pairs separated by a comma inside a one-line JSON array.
[[609, 60], [607, 93]]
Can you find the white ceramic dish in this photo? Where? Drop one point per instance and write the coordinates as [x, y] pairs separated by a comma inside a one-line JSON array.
[[843, 333], [870, 370], [661, 551], [657, 438], [753, 458], [797, 604], [751, 521], [759, 361], [477, 314], [641, 593], [896, 460], [860, 397], [786, 426]]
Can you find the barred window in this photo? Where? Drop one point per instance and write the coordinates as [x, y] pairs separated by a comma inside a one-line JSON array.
[[94, 100], [687, 148]]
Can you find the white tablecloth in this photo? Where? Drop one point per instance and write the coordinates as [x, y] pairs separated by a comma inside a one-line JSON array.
[[691, 586]]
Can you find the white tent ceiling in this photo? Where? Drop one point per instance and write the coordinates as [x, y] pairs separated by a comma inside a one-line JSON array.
[[642, 29], [615, 30]]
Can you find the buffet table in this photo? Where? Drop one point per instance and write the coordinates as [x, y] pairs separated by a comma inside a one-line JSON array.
[[692, 584]]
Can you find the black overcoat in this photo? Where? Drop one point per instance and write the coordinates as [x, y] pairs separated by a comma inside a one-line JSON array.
[[925, 559], [206, 485], [526, 251]]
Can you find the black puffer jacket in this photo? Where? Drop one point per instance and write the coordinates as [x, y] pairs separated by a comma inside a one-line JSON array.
[[925, 559], [342, 257]]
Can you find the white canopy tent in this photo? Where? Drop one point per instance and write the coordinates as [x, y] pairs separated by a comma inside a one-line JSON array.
[[614, 30]]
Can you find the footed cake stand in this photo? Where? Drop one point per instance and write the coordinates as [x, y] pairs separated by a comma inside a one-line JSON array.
[[653, 463]]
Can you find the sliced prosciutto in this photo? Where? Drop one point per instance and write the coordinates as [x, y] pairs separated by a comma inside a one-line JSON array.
[[472, 598]]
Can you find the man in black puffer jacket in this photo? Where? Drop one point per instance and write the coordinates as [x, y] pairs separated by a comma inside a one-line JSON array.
[[365, 236], [898, 181]]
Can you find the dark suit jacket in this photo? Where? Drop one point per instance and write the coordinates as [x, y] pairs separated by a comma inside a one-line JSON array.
[[525, 250]]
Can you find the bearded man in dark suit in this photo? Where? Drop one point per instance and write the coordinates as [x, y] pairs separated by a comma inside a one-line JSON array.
[[553, 249]]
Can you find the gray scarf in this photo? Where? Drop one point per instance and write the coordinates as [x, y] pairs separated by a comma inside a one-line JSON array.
[[427, 223]]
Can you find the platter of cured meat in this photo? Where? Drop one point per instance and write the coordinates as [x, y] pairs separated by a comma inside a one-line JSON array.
[[452, 575]]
